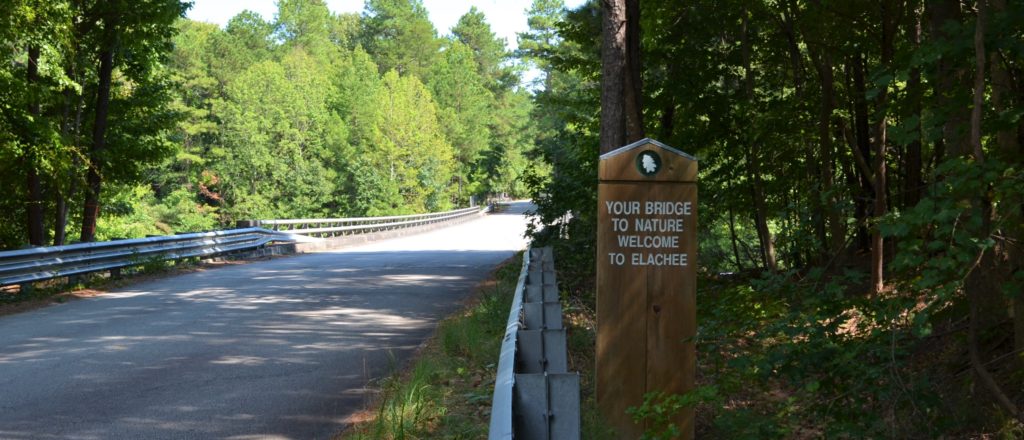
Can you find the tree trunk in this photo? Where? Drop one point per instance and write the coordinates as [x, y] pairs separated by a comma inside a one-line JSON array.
[[732, 235], [1010, 151], [60, 220], [764, 234], [881, 206], [73, 129], [814, 166], [836, 226], [35, 196], [987, 297], [621, 111], [913, 182], [877, 242], [951, 80], [978, 101], [862, 152], [633, 93], [94, 178], [668, 114]]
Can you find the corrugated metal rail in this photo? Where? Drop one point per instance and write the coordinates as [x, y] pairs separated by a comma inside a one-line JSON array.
[[535, 397], [43, 263]]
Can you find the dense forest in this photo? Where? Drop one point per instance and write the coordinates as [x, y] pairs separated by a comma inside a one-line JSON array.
[[123, 118], [861, 199]]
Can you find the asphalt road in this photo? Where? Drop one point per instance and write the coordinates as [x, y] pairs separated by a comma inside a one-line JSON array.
[[278, 349]]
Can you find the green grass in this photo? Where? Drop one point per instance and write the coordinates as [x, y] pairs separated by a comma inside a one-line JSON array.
[[579, 320], [446, 392]]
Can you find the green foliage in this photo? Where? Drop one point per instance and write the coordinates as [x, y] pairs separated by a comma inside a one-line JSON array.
[[282, 118], [831, 359], [567, 138], [466, 105], [128, 214], [134, 211], [45, 119], [307, 24], [419, 157], [400, 36], [513, 153], [945, 236], [276, 132], [658, 410], [153, 264], [184, 213], [246, 40], [489, 52]]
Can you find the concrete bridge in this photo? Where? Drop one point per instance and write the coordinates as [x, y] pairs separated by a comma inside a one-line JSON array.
[[275, 349]]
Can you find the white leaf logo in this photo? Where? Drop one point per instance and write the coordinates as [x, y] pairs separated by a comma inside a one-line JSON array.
[[650, 166]]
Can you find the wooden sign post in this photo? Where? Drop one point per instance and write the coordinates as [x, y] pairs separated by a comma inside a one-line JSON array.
[[646, 280]]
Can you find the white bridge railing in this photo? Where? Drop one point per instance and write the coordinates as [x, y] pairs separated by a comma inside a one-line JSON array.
[[332, 227]]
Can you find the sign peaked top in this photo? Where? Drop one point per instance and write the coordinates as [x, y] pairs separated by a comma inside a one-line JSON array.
[[642, 142], [647, 160]]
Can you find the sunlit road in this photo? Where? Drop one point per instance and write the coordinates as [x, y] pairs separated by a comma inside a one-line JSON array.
[[279, 349]]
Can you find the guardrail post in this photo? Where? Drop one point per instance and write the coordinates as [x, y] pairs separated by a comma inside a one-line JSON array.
[[547, 406], [27, 289], [545, 401]]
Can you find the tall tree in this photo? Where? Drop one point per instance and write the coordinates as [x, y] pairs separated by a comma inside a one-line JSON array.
[[537, 44], [247, 39], [277, 134], [466, 107], [134, 37], [489, 51], [754, 151], [33, 34], [621, 111], [889, 16], [307, 24], [400, 36]]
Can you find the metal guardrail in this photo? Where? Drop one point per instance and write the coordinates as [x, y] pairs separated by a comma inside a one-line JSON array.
[[535, 397], [331, 227], [43, 263]]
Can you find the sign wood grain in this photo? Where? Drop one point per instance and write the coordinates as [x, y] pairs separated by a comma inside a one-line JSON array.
[[646, 280]]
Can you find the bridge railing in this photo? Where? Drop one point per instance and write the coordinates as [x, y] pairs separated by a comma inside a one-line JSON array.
[[535, 397], [332, 227], [43, 263]]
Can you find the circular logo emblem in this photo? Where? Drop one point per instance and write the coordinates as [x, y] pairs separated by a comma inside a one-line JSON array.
[[649, 163]]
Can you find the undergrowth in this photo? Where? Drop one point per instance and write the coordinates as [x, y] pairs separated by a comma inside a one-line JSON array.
[[811, 356], [801, 356]]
